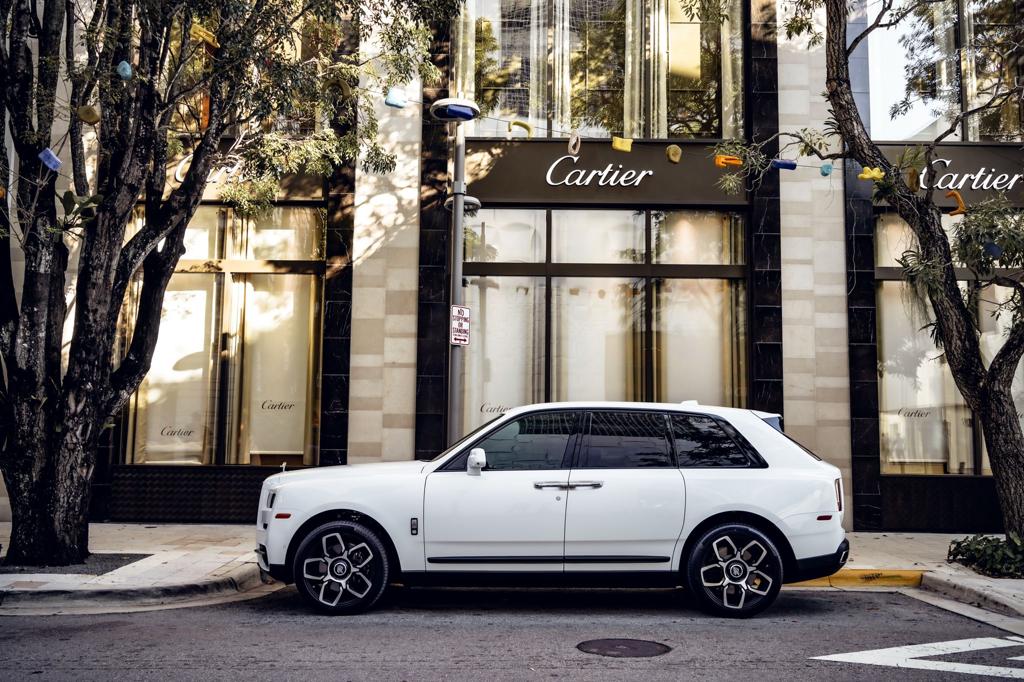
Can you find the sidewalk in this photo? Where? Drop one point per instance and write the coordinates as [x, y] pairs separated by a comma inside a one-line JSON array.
[[201, 564], [187, 565]]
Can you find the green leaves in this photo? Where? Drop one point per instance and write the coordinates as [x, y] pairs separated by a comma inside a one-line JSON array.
[[992, 556]]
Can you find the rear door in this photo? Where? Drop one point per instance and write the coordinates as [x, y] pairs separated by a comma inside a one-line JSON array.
[[512, 516], [626, 495]]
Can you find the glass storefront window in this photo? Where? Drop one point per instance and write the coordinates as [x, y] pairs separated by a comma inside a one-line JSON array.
[[641, 68], [697, 237], [504, 363], [925, 425], [233, 377], [699, 318], [597, 237], [508, 236], [597, 338], [944, 58]]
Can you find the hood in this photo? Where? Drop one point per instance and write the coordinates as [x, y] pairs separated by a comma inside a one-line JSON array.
[[345, 471]]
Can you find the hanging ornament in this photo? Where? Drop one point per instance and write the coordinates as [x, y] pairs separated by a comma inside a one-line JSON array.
[[622, 144], [783, 164], [674, 153], [724, 160], [87, 113], [521, 124], [50, 159], [396, 97], [124, 70], [993, 249], [336, 81], [575, 142], [913, 180], [873, 174], [3, 193], [961, 208], [825, 170]]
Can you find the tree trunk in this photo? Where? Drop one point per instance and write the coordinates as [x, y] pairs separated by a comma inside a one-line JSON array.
[[1004, 438]]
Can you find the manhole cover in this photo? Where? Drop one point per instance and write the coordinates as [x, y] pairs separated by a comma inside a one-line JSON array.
[[623, 648]]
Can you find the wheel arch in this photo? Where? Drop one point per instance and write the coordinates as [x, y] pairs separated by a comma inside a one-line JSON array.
[[789, 565], [344, 515]]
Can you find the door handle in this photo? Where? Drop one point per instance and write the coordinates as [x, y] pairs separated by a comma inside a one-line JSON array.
[[540, 485], [586, 484]]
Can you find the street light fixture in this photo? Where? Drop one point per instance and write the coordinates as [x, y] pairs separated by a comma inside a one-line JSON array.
[[456, 111]]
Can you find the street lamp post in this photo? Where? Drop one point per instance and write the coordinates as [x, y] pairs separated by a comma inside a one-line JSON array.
[[456, 111]]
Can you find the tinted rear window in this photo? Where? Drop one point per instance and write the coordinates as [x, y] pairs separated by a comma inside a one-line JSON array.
[[701, 441]]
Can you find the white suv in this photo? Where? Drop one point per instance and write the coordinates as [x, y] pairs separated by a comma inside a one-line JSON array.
[[715, 499]]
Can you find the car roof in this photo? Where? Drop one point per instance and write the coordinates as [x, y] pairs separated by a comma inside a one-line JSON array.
[[691, 406]]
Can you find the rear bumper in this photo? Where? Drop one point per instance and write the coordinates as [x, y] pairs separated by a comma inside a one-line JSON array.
[[820, 566]]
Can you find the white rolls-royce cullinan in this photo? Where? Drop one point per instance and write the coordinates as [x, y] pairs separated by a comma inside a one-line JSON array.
[[716, 500]]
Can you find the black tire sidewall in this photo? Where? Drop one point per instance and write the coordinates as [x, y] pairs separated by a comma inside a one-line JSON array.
[[694, 584], [380, 554]]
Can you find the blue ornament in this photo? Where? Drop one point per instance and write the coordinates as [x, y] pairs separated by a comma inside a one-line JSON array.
[[826, 170], [124, 70], [993, 249], [786, 164], [50, 159], [396, 98], [460, 112]]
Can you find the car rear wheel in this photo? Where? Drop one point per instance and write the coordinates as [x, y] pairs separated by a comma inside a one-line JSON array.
[[734, 570], [341, 568]]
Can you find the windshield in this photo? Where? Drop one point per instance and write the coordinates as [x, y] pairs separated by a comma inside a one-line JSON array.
[[468, 437]]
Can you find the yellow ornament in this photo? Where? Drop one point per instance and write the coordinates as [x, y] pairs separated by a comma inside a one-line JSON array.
[[521, 124], [674, 153], [873, 174], [622, 144], [961, 208]]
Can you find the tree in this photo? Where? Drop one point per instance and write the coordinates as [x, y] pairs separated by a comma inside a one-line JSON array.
[[125, 86], [989, 240]]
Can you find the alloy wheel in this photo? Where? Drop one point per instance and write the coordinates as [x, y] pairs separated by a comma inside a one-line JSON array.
[[341, 570], [738, 572]]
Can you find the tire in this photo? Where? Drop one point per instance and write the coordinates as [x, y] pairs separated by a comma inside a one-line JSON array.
[[734, 570], [341, 568]]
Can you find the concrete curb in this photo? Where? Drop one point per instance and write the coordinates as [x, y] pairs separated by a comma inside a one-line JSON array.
[[243, 579], [975, 590]]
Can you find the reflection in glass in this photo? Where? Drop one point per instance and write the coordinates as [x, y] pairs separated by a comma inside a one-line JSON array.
[[992, 38], [602, 67], [204, 236], [507, 236], [174, 405], [504, 363], [995, 324], [893, 236], [535, 442], [597, 338], [597, 237], [925, 426], [914, 67], [697, 237], [699, 341]]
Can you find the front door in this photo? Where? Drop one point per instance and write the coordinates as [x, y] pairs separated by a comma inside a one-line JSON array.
[[626, 495], [511, 516]]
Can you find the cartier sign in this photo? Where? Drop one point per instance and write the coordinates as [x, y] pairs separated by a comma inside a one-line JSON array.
[[544, 172], [976, 171]]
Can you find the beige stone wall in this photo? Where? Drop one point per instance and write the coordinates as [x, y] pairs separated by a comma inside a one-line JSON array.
[[382, 398], [814, 316]]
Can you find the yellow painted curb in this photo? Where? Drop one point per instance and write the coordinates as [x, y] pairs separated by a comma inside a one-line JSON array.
[[867, 577]]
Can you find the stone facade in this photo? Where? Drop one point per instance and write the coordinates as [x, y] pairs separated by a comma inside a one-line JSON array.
[[814, 315]]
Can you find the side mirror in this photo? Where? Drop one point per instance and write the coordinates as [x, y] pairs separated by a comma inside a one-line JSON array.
[[476, 462]]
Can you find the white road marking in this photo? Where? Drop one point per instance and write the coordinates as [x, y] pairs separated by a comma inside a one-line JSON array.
[[911, 656]]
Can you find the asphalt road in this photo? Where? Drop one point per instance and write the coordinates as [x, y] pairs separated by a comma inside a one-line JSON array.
[[492, 635]]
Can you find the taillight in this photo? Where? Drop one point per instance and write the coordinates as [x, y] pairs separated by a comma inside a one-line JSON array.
[[839, 494]]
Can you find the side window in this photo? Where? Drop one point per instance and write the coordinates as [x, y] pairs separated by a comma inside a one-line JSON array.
[[702, 442], [536, 441], [628, 440]]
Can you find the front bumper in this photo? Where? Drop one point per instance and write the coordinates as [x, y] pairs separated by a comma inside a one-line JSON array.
[[820, 566]]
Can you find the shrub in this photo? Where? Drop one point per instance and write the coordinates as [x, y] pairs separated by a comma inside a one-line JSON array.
[[992, 556]]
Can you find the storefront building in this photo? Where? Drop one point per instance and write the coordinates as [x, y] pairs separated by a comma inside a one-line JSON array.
[[318, 334]]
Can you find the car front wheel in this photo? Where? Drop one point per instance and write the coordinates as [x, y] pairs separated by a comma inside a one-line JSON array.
[[734, 570], [341, 568]]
